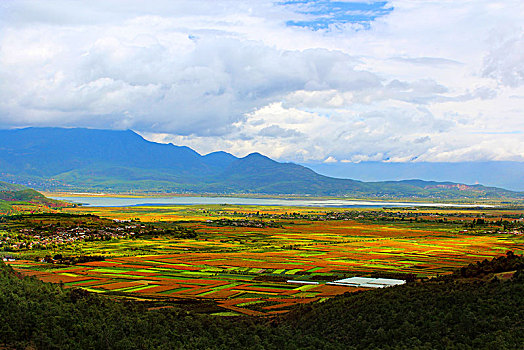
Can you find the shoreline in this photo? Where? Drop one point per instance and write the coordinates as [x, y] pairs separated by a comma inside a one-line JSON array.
[[166, 200], [461, 203]]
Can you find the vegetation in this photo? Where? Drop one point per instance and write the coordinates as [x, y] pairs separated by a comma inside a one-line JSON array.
[[437, 314], [244, 223], [510, 262], [433, 315], [19, 199], [121, 161], [4, 187], [193, 277], [230, 258], [47, 231]]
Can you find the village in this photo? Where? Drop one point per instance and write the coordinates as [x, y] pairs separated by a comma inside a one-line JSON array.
[[49, 231], [31, 238]]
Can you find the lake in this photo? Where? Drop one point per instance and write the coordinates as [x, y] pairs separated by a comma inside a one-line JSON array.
[[126, 202]]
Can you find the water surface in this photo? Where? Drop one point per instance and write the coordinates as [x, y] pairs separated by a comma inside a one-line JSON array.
[[126, 202]]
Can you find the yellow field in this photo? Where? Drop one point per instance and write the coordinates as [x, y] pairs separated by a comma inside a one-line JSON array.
[[244, 269]]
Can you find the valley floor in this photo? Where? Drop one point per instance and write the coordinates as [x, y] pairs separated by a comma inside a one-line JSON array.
[[239, 259]]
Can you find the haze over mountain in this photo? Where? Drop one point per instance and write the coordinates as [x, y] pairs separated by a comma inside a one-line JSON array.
[[118, 161], [505, 174]]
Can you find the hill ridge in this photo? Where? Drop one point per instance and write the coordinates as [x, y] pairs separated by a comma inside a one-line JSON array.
[[123, 161]]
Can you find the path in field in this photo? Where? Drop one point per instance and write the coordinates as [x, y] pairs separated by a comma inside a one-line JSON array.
[[245, 269]]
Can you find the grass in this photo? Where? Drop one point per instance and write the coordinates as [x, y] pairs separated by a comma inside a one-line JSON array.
[[243, 266]]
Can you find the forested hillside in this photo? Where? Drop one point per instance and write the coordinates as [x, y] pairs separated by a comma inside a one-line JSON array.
[[122, 161], [20, 196], [449, 312], [4, 186]]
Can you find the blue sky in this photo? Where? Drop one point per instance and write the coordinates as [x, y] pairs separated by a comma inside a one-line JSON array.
[[323, 14], [304, 81]]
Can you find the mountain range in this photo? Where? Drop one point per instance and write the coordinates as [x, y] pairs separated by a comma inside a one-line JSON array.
[[80, 159], [504, 174]]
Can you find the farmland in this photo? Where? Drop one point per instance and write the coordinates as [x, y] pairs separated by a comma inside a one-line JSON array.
[[241, 257]]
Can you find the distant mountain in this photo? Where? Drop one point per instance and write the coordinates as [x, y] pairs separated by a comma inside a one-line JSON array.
[[47, 152], [122, 161], [505, 174]]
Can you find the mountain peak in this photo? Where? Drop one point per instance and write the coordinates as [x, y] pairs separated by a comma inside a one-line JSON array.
[[256, 155], [110, 160], [219, 154], [219, 159]]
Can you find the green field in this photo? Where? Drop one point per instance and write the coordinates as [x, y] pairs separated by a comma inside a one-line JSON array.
[[239, 267]]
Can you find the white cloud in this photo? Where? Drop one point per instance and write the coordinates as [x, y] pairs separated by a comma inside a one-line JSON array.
[[505, 62], [430, 81]]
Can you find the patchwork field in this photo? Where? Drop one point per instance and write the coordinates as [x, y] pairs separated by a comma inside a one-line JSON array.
[[243, 270]]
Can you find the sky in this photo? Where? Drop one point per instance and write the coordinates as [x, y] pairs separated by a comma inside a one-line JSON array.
[[302, 81]]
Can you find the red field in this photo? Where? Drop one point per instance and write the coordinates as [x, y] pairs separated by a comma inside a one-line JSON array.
[[244, 269]]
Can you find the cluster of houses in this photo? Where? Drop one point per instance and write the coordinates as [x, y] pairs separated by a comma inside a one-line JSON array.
[[31, 239], [514, 232]]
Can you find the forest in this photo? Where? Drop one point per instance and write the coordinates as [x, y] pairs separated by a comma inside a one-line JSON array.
[[478, 312]]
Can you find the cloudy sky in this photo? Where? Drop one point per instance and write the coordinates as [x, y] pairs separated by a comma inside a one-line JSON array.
[[303, 81]]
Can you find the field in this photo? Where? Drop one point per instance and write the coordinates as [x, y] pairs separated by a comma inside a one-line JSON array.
[[244, 270]]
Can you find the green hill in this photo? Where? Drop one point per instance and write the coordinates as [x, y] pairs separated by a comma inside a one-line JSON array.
[[4, 186], [122, 161], [16, 194]]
